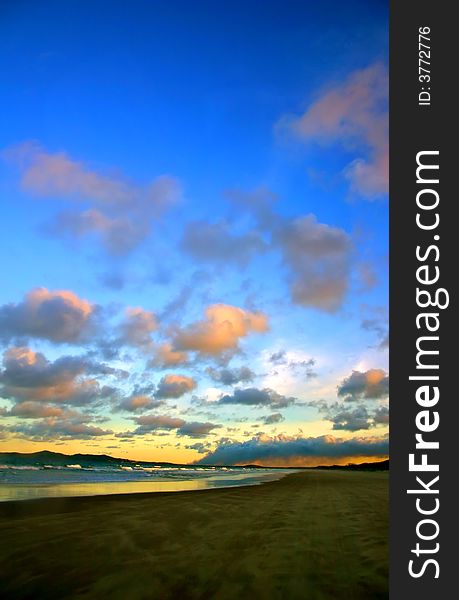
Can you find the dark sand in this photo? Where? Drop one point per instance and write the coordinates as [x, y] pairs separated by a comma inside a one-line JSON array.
[[311, 535]]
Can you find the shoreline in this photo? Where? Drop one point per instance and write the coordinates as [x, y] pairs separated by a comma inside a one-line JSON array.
[[80, 489], [8, 508], [323, 532], [196, 486]]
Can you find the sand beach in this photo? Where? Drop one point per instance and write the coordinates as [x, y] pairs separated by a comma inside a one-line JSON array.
[[311, 535]]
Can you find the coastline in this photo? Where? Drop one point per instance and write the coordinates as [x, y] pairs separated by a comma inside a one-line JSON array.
[[322, 531], [24, 492]]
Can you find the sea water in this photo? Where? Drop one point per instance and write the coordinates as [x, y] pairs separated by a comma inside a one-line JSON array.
[[46, 481]]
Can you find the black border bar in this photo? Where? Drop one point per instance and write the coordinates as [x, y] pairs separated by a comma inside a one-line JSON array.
[[415, 128]]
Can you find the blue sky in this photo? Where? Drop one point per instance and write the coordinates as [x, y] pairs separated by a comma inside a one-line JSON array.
[[221, 168]]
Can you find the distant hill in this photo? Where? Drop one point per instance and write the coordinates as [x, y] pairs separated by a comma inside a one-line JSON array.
[[381, 465], [56, 459], [45, 457]]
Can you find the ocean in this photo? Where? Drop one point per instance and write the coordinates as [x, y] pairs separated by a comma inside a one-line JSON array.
[[39, 479]]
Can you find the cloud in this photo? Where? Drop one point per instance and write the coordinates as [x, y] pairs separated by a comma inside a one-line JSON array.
[[196, 429], [381, 416], [303, 366], [272, 419], [118, 235], [293, 362], [257, 397], [214, 242], [177, 305], [364, 413], [379, 326], [51, 422], [230, 376], [29, 376], [384, 343], [367, 276], [37, 410], [294, 450], [174, 386], [354, 114], [57, 175], [344, 418], [200, 447], [352, 420], [166, 357], [138, 402], [149, 423], [120, 211], [50, 428], [137, 327], [372, 384], [259, 202], [279, 358], [157, 423], [317, 258], [220, 331], [59, 316], [113, 280]]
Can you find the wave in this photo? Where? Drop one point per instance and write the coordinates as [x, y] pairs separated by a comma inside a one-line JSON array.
[[20, 467]]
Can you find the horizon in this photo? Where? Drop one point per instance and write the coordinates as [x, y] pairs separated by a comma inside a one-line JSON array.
[[376, 461], [195, 231]]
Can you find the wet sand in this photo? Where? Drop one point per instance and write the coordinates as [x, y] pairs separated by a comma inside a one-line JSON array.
[[311, 535], [28, 491]]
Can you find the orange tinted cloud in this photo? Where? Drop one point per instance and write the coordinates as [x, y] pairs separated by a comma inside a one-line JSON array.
[[151, 423], [29, 376], [53, 428], [43, 395], [58, 175], [174, 386], [36, 410], [41, 295], [221, 330], [59, 316], [354, 114], [121, 210], [71, 392], [375, 376], [318, 257], [166, 356], [139, 403], [138, 326], [371, 384]]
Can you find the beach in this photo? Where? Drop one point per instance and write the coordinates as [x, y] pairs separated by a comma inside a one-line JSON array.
[[45, 483], [311, 535]]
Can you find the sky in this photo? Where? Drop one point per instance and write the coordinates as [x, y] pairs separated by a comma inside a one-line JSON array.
[[194, 231]]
